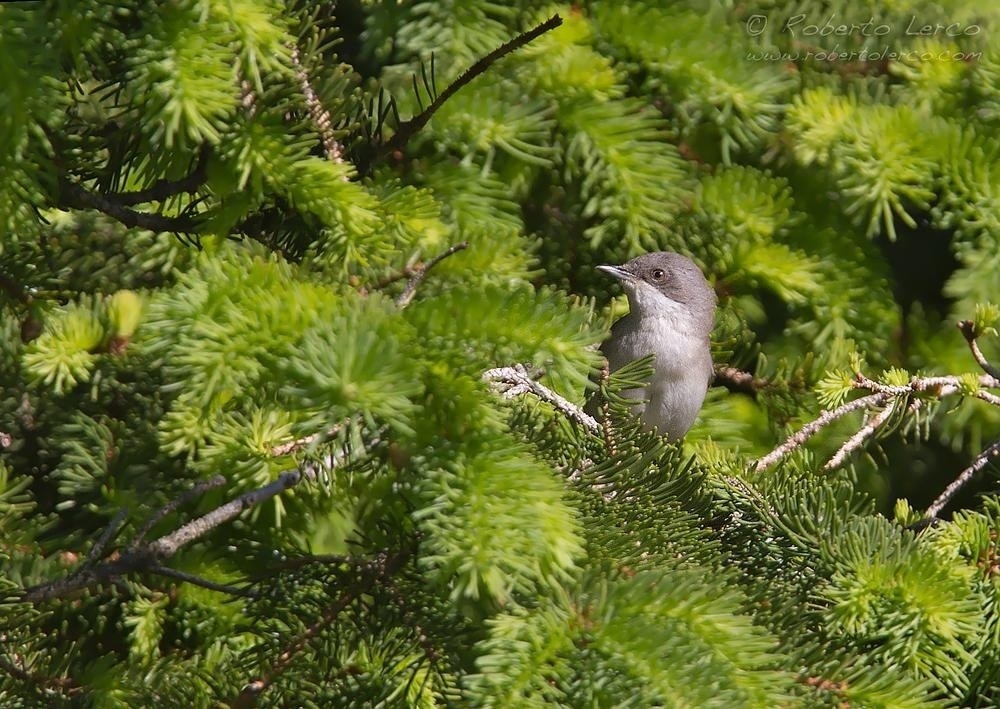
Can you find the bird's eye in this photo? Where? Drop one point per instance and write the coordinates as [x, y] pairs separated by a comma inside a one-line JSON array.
[[658, 274]]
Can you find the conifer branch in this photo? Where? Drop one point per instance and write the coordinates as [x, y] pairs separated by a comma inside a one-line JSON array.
[[378, 570], [992, 451], [515, 381], [605, 407], [250, 694], [407, 129]]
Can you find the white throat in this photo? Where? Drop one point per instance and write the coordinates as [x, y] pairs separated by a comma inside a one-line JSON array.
[[648, 304]]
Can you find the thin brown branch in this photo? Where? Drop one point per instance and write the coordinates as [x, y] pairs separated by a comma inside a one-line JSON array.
[[164, 189], [963, 478], [514, 381], [408, 128], [968, 330], [198, 581], [299, 443], [250, 694], [799, 438], [419, 272], [408, 271], [73, 196]]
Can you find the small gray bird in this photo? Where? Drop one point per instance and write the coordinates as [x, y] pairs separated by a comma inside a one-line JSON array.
[[671, 315]]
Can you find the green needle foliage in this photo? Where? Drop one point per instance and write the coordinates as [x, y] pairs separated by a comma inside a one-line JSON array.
[[261, 264]]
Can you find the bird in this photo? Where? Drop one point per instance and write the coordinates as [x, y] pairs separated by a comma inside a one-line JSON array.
[[671, 316]]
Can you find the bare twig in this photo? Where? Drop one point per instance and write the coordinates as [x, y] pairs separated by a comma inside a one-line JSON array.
[[881, 393], [148, 557], [198, 581], [963, 478], [143, 558], [988, 397], [298, 444], [863, 434], [810, 429], [168, 545], [737, 380], [317, 112], [408, 128], [968, 330], [198, 489], [514, 381], [419, 272]]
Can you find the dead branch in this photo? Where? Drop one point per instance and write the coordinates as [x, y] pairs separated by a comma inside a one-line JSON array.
[[799, 438], [515, 381], [964, 477]]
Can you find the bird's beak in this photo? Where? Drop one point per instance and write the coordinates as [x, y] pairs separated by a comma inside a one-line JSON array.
[[617, 271]]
